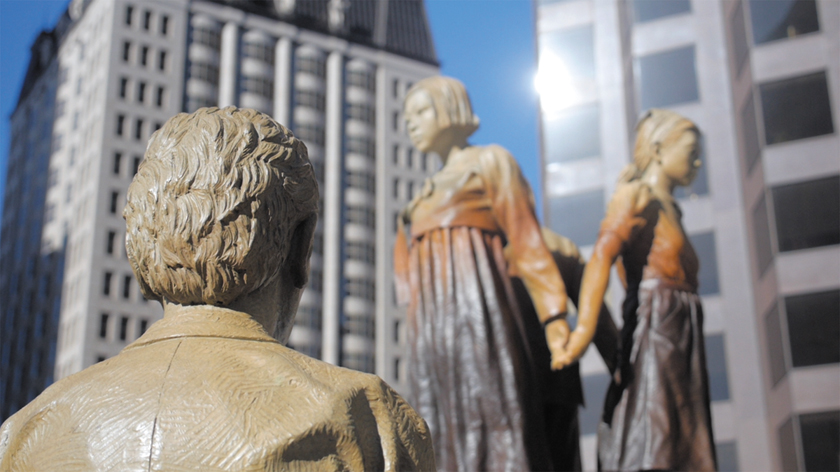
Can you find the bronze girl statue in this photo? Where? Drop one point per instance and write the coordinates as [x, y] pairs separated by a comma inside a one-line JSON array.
[[656, 414], [471, 373]]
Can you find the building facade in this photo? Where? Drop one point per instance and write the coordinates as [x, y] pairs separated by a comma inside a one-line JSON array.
[[762, 81], [111, 72]]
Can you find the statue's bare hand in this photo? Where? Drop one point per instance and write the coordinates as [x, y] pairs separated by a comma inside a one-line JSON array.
[[574, 350], [557, 336]]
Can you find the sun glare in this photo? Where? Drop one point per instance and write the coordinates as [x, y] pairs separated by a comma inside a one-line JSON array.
[[555, 84]]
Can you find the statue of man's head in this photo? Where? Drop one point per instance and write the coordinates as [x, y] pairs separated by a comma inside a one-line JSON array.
[[223, 210]]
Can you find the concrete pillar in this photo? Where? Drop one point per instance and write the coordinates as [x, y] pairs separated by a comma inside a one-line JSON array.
[[229, 65], [283, 81], [333, 167]]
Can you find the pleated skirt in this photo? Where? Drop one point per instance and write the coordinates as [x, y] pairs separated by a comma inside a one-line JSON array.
[[661, 418], [470, 371]]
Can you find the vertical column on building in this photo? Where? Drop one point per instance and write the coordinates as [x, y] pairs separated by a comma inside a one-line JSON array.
[[283, 81], [229, 66], [330, 332]]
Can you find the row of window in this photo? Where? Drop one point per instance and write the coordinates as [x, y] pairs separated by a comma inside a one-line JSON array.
[[413, 159], [125, 283], [806, 215], [360, 288], [361, 180], [312, 65], [205, 72], [140, 127], [145, 56], [802, 331], [316, 280], [123, 328], [310, 134], [120, 160], [259, 86], [792, 109], [361, 145], [360, 326], [363, 113], [142, 92], [361, 79], [146, 20], [403, 190], [311, 99], [361, 251], [259, 51], [398, 89], [809, 441], [770, 20], [361, 216], [309, 317], [209, 37]]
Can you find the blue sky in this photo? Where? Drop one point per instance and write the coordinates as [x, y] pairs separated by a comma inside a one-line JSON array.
[[487, 44]]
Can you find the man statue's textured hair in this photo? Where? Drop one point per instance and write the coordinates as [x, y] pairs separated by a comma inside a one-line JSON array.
[[451, 101], [211, 211]]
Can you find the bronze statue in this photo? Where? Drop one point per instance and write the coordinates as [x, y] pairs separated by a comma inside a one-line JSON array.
[[657, 413], [471, 372], [220, 222]]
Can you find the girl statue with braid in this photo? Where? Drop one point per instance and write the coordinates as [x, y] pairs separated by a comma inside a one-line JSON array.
[[656, 414]]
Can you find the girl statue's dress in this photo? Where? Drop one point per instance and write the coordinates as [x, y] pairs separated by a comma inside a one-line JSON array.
[[656, 414], [471, 370]]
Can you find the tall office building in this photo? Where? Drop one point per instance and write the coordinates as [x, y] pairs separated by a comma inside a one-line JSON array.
[[111, 72], [762, 81]]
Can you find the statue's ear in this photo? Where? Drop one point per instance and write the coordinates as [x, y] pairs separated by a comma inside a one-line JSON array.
[[300, 248]]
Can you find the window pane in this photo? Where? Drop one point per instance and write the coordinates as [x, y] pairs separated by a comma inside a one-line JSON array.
[[808, 214], [727, 456], [574, 134], [782, 19], [761, 229], [775, 345], [578, 217], [668, 78], [716, 366], [704, 246], [814, 328], [574, 47], [796, 108], [594, 391], [646, 10], [821, 440]]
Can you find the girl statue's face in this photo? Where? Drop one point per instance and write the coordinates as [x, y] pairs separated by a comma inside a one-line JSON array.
[[421, 120], [681, 157]]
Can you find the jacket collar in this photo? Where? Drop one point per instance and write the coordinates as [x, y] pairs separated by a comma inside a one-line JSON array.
[[203, 321]]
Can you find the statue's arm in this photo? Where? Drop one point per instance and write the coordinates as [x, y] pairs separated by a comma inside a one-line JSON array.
[[528, 255], [532, 262], [619, 226]]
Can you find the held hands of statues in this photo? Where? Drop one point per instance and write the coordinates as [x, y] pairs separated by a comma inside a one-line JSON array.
[[557, 337], [566, 348]]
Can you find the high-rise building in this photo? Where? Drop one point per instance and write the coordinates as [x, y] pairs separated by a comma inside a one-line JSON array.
[[762, 81], [111, 72]]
